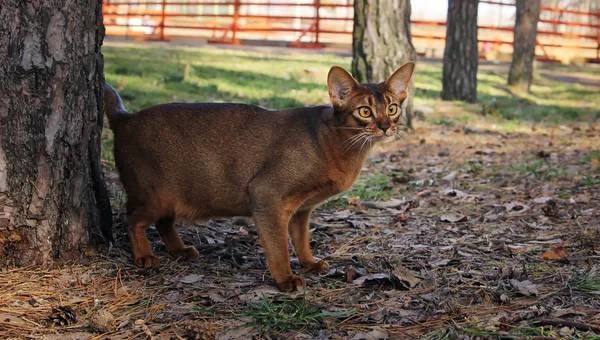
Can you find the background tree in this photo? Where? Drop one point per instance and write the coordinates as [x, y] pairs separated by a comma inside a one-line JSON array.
[[381, 42], [520, 75], [461, 56], [53, 199]]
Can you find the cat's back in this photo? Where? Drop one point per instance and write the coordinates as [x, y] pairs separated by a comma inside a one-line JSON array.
[[196, 113]]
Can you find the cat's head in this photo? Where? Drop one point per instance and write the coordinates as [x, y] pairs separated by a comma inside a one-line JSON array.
[[373, 111]]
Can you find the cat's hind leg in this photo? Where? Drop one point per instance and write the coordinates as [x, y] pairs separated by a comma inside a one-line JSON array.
[[170, 236], [137, 223]]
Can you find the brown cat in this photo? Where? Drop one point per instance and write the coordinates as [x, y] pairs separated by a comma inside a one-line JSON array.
[[211, 160]]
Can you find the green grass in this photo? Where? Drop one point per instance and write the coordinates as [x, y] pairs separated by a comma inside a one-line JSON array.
[[147, 74], [369, 188], [287, 315], [588, 285], [538, 169], [592, 155], [443, 121]]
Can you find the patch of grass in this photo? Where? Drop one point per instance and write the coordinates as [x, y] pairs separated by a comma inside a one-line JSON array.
[[591, 155], [288, 315], [564, 194], [538, 169], [588, 285], [118, 199], [589, 181], [374, 188], [335, 202], [464, 118], [443, 121]]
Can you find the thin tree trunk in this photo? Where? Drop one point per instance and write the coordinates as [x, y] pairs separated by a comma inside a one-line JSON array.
[[382, 42], [461, 55], [520, 75], [53, 200]]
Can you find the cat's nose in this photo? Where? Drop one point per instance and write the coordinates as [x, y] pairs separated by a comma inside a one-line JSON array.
[[384, 126]]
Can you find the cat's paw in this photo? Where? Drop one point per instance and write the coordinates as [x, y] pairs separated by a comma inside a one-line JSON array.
[[187, 253], [319, 267], [147, 261], [315, 267], [292, 283]]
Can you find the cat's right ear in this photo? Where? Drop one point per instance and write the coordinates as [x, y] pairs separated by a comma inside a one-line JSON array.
[[340, 84]]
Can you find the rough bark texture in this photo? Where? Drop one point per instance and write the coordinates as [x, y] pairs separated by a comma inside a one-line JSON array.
[[382, 42], [53, 200], [521, 67], [461, 56]]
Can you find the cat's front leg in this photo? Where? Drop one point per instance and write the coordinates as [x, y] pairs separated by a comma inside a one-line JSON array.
[[272, 216], [299, 230]]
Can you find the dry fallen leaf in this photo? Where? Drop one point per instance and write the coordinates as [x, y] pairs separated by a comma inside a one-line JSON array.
[[354, 200], [453, 217], [406, 275], [516, 208], [375, 334], [393, 203], [555, 254], [526, 287], [192, 278]]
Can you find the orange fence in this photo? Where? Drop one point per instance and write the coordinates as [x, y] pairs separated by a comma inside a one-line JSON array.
[[310, 24]]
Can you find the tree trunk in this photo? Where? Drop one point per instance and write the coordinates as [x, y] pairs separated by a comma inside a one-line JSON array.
[[520, 75], [53, 200], [461, 56], [382, 42]]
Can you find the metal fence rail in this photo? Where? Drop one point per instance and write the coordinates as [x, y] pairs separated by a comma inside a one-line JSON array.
[[310, 24]]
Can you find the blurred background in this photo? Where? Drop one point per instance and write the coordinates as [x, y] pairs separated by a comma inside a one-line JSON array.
[[567, 30]]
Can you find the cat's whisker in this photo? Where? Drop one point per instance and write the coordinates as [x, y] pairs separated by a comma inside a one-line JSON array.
[[347, 128], [406, 133], [366, 140], [350, 141], [363, 135], [353, 138]]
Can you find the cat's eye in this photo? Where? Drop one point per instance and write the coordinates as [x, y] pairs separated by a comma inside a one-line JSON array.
[[392, 109], [364, 111]]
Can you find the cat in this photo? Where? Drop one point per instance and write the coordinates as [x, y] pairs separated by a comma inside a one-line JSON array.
[[183, 161]]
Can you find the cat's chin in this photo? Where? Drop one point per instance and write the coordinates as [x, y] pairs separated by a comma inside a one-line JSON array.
[[383, 138]]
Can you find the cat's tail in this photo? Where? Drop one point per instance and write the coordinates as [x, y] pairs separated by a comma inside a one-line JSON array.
[[113, 105]]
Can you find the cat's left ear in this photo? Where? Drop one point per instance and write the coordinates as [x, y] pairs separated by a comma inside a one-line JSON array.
[[398, 82]]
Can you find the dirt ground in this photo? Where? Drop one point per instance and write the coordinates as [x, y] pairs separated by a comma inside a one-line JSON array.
[[489, 234]]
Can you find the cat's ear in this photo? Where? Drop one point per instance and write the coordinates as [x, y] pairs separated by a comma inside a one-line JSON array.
[[340, 84], [398, 82]]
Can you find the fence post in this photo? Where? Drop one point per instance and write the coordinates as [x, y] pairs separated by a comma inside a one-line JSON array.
[[236, 14], [162, 20], [317, 19], [598, 35]]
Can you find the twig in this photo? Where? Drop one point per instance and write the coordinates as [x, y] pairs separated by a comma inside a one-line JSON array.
[[573, 324]]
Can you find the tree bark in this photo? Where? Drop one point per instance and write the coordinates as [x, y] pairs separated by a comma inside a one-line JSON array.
[[382, 42], [520, 75], [53, 200], [461, 55]]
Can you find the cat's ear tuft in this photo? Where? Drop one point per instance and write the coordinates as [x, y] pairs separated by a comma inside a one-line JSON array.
[[398, 82], [340, 84]]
